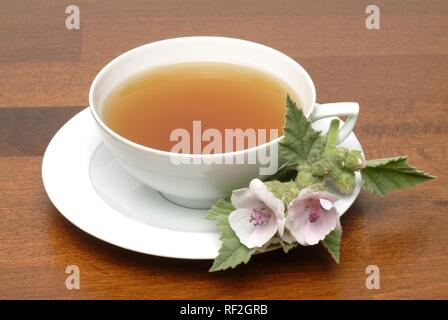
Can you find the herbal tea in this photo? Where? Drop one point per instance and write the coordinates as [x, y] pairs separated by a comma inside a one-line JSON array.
[[148, 107]]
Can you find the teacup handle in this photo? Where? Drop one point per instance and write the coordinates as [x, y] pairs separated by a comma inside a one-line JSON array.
[[349, 109]]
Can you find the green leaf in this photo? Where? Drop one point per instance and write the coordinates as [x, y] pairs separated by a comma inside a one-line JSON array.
[[301, 142], [333, 244], [287, 246], [384, 175], [284, 174], [220, 210], [277, 243], [232, 251]]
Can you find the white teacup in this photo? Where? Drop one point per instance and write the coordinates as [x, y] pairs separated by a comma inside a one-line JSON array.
[[200, 185]]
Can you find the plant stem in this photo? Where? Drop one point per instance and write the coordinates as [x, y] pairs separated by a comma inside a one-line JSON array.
[[331, 137]]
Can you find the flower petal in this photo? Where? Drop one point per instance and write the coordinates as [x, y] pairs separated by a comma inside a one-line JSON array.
[[256, 184], [327, 196], [318, 230], [251, 236], [297, 229], [239, 222], [246, 198], [298, 221], [274, 204], [326, 204], [305, 194], [262, 234], [298, 218]]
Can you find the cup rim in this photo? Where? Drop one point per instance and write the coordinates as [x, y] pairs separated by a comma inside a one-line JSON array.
[[147, 149]]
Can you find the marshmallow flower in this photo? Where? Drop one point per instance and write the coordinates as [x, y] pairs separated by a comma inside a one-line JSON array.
[[311, 217], [259, 215]]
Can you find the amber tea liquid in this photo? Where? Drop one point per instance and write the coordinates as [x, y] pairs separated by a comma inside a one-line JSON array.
[[146, 108]]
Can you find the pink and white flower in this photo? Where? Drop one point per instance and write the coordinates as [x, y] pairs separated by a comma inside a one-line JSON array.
[[311, 217], [259, 215]]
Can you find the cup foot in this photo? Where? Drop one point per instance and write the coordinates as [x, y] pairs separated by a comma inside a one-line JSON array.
[[203, 204]]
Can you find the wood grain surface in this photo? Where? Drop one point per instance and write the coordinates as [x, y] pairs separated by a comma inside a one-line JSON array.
[[398, 74]]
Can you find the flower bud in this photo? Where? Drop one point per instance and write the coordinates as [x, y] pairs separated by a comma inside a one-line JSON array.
[[340, 154], [305, 177], [344, 179], [354, 161], [285, 191], [322, 167], [318, 186]]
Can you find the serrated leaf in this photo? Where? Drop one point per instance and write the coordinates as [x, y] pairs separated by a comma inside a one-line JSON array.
[[220, 210], [301, 142], [384, 175], [333, 244], [232, 251]]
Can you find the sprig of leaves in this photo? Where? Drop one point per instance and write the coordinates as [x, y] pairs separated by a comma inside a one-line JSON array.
[[301, 144], [384, 175], [311, 160]]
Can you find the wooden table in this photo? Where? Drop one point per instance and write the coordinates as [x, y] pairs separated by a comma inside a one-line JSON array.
[[398, 74]]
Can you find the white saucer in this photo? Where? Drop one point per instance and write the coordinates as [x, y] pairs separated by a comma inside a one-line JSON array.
[[91, 190]]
